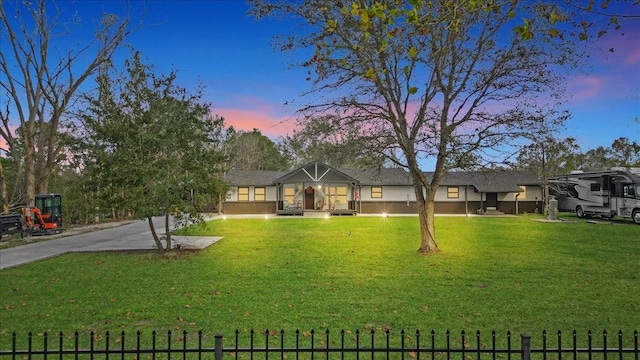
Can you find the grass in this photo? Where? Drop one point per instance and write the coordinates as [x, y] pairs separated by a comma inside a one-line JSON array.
[[343, 273]]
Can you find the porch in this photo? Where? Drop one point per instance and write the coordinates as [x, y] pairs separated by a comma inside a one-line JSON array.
[[289, 210], [316, 190]]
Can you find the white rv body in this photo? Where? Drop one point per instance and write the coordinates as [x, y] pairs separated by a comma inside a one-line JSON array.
[[609, 193]]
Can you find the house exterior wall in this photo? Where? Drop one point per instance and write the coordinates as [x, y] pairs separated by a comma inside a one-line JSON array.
[[528, 201], [270, 193], [398, 200], [442, 194], [390, 207], [509, 207], [389, 193], [248, 207], [233, 206], [450, 207]]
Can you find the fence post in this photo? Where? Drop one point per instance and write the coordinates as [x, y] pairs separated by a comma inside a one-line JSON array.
[[525, 345], [218, 347]]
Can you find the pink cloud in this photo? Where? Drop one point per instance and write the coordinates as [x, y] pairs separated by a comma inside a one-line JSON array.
[[634, 57], [269, 122], [585, 87], [614, 71], [612, 68]]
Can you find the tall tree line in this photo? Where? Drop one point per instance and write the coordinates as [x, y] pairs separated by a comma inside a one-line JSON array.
[[550, 156], [40, 81]]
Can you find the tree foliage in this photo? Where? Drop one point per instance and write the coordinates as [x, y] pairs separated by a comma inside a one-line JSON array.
[[550, 156], [40, 80], [626, 152], [317, 139], [444, 80], [148, 146], [590, 20], [254, 151]]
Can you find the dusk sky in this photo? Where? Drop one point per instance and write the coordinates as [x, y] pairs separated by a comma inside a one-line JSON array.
[[248, 82]]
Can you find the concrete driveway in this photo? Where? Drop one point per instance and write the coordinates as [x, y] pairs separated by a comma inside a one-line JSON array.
[[133, 236]]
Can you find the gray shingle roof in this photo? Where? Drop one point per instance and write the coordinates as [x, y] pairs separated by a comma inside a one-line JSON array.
[[383, 176], [489, 181], [252, 177], [484, 181], [316, 171]]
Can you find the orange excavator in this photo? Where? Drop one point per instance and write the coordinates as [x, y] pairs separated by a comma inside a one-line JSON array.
[[44, 218]]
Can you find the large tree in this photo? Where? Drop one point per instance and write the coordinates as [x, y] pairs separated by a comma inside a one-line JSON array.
[[39, 81], [149, 145], [317, 139], [254, 151], [626, 152], [442, 80], [597, 159], [549, 156]]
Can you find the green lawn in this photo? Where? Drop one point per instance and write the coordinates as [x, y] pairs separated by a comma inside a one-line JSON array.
[[343, 273]]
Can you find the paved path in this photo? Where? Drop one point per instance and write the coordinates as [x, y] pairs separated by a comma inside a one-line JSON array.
[[134, 236]]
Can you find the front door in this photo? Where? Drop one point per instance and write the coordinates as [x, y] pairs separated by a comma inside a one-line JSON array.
[[492, 200], [308, 199]]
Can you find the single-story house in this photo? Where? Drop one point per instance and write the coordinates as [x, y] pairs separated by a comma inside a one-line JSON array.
[[317, 187]]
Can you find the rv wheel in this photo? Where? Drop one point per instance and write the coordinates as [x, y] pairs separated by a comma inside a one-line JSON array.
[[636, 216], [579, 212]]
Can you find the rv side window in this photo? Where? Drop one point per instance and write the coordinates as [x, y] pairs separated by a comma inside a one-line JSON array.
[[629, 191], [595, 186]]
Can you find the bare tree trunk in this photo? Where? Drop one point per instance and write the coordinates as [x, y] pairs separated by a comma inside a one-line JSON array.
[[43, 176], [167, 230], [155, 235], [3, 188], [426, 210], [29, 173], [42, 91]]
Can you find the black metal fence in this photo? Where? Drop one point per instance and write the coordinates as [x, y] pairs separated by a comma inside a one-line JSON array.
[[322, 345]]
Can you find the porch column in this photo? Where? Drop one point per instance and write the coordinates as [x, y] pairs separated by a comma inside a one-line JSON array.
[[466, 202]]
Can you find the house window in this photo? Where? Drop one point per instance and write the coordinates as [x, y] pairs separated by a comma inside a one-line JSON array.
[[338, 197], [289, 194], [259, 194], [453, 192], [376, 192], [243, 194], [523, 193]]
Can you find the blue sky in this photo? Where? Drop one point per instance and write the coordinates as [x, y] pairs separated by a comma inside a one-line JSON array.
[[248, 82]]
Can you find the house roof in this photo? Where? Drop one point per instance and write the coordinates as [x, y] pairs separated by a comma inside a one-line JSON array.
[[489, 181], [483, 181], [382, 176], [316, 172], [252, 177]]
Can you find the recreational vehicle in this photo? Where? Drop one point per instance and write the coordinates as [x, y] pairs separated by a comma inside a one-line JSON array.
[[599, 193]]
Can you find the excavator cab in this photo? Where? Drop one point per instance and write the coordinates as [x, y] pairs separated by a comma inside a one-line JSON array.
[[46, 216]]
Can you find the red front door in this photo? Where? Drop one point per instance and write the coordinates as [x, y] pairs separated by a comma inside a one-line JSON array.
[[308, 198]]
